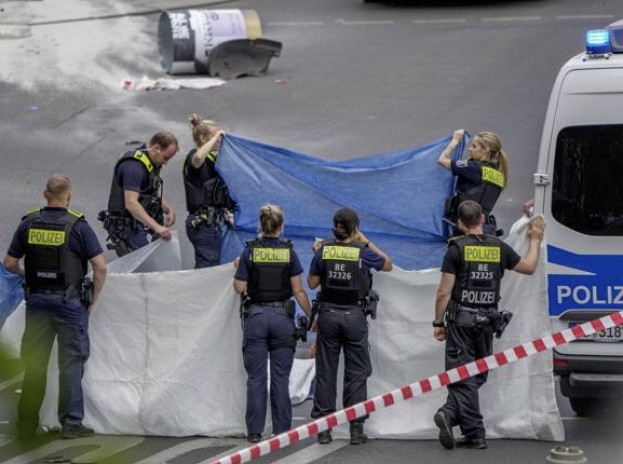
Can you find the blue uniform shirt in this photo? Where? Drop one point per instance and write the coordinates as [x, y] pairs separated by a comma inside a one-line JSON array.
[[242, 273], [468, 173], [82, 239], [132, 175]]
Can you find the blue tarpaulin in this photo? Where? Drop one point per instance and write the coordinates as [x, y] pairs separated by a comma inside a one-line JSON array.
[[399, 197]]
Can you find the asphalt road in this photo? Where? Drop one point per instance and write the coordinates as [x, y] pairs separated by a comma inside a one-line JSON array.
[[353, 79]]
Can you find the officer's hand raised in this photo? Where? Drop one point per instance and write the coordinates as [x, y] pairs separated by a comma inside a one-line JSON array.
[[536, 228]]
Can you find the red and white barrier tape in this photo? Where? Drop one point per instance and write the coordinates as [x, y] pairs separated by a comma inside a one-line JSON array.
[[420, 388]]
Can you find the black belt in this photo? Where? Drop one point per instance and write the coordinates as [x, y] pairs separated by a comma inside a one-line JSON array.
[[345, 306], [199, 211], [274, 304], [43, 291], [475, 310]]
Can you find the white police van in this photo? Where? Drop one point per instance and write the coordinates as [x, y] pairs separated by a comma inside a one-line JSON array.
[[579, 188]]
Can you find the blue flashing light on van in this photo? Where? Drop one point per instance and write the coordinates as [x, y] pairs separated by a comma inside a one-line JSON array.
[[598, 42]]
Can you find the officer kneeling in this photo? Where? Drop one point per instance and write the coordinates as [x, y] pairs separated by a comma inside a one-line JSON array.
[[342, 268], [467, 298]]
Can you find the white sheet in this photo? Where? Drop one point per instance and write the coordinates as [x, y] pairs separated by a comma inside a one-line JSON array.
[[166, 357]]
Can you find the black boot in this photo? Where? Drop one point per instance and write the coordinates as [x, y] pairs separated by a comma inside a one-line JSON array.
[[357, 437]]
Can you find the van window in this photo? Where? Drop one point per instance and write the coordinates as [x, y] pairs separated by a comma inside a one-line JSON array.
[[587, 194]]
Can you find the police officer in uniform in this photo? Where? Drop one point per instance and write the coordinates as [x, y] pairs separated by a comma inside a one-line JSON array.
[[135, 204], [467, 299], [341, 267], [56, 244], [207, 196], [269, 271], [480, 178]]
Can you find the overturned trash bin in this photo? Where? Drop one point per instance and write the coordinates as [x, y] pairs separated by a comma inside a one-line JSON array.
[[221, 43]]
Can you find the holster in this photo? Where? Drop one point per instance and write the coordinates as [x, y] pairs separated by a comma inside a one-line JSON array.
[[245, 302], [314, 312], [500, 322], [371, 303], [452, 311], [204, 216], [290, 307], [87, 293], [71, 293]]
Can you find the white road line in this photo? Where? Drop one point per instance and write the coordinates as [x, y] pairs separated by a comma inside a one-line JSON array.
[[9, 383], [567, 17], [312, 453], [106, 446], [296, 23], [364, 23], [439, 21], [233, 444], [501, 19], [508, 19]]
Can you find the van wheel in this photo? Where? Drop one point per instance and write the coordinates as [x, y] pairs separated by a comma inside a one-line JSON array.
[[581, 406], [593, 407]]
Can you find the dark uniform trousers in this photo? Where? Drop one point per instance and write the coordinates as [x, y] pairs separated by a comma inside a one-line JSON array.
[[47, 317], [341, 327], [268, 329], [206, 240], [466, 342]]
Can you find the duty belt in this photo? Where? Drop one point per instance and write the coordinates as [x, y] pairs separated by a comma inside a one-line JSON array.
[[274, 304], [480, 310], [46, 291], [344, 306]]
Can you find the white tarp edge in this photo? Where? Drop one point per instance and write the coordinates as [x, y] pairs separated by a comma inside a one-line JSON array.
[[166, 357]]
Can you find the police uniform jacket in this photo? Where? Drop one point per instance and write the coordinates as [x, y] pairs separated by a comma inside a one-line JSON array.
[[134, 171], [344, 271], [56, 244], [204, 186], [267, 264], [478, 181], [478, 262]]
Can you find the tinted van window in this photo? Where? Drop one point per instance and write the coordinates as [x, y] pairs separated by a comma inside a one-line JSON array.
[[587, 191]]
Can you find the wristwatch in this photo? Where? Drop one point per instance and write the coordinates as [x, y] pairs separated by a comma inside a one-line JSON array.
[[438, 324]]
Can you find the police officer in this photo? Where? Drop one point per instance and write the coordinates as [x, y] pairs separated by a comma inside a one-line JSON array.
[[56, 244], [269, 271], [467, 297], [135, 203], [207, 196], [480, 178], [341, 267]]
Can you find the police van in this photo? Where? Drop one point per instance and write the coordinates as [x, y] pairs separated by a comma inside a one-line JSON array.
[[579, 189]]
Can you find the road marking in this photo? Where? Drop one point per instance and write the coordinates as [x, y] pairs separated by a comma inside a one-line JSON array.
[[364, 23], [508, 19], [389, 22], [296, 23], [439, 21], [312, 453], [566, 17], [107, 446], [9, 383], [233, 444]]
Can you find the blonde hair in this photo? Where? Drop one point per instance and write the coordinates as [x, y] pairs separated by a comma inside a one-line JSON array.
[[271, 219], [202, 128], [497, 156]]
